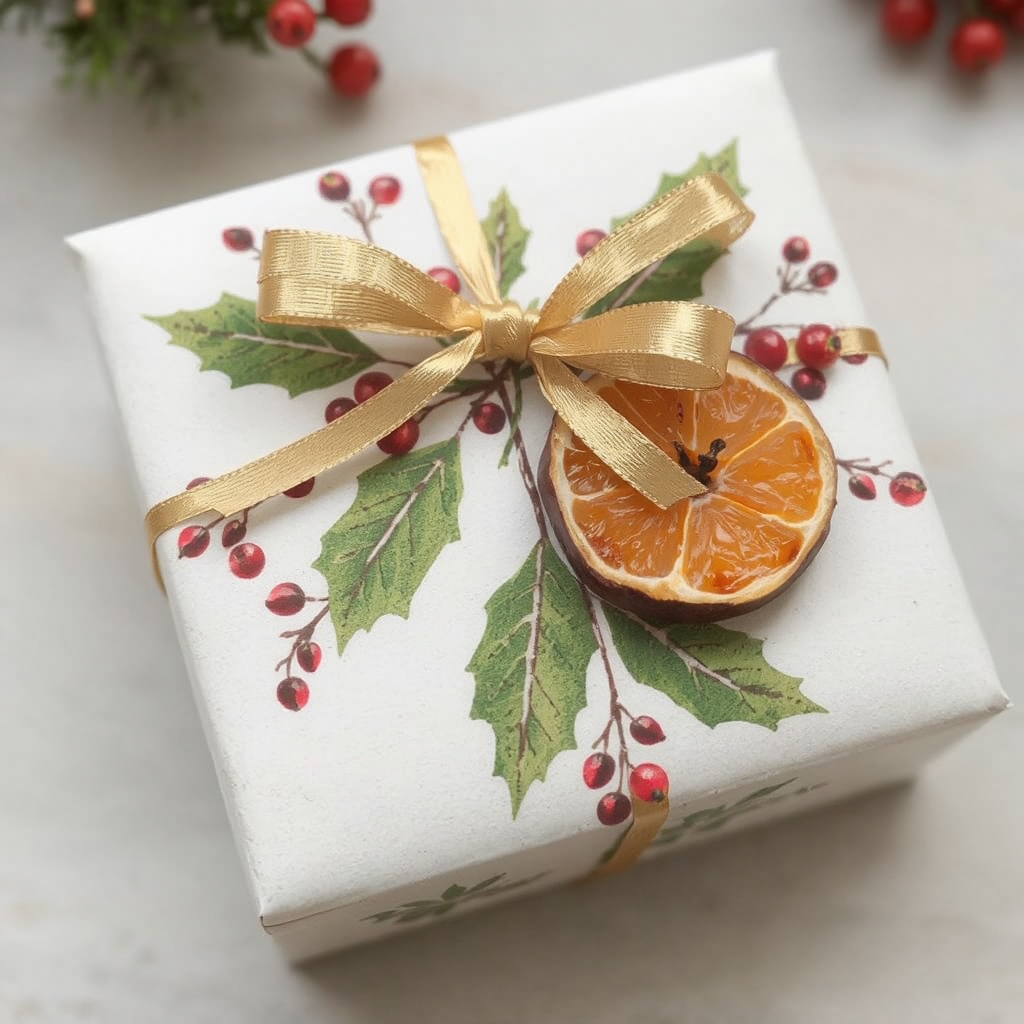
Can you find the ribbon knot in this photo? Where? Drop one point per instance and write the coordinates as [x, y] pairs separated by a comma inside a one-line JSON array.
[[326, 281], [507, 331]]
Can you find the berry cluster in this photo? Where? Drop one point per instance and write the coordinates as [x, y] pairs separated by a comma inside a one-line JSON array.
[[817, 346], [245, 560], [647, 781], [905, 488], [290, 599], [815, 349], [351, 69], [487, 417], [977, 43]]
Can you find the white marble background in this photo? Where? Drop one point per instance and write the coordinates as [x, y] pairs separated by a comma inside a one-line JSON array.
[[120, 895]]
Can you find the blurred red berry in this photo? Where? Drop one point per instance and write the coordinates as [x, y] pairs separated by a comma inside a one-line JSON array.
[[908, 21], [977, 45], [353, 70], [347, 12], [291, 22]]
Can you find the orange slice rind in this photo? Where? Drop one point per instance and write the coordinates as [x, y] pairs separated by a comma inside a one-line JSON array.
[[766, 513]]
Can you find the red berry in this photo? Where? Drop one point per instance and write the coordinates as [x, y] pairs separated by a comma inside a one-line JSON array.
[[442, 275], [291, 22], [193, 541], [401, 440], [233, 533], [796, 249], [646, 730], [300, 490], [614, 808], [907, 21], [649, 782], [337, 408], [489, 418], [385, 190], [353, 70], [977, 44], [767, 347], [197, 482], [598, 770], [863, 487], [370, 383], [586, 240], [286, 599], [334, 186], [818, 345], [856, 360], [307, 654], [246, 561], [347, 12], [293, 693], [907, 489], [821, 275], [237, 239], [808, 383]]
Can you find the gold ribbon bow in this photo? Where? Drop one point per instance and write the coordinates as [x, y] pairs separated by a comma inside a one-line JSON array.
[[330, 281]]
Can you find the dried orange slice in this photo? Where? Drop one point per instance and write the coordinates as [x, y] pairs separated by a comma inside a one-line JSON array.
[[771, 478]]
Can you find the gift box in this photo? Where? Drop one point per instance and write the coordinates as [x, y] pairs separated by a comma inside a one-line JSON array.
[[415, 705]]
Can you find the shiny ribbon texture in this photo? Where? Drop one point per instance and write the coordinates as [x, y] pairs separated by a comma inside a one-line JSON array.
[[331, 281]]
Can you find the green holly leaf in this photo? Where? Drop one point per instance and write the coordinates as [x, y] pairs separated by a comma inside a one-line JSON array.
[[377, 554], [717, 674], [531, 668], [680, 275], [725, 162], [229, 337], [506, 240]]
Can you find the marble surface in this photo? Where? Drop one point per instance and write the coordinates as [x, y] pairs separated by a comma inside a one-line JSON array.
[[120, 894]]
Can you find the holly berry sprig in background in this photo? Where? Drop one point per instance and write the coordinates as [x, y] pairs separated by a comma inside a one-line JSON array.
[[352, 69], [142, 47], [978, 39]]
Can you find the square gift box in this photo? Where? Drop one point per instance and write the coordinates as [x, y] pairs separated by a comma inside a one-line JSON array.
[[400, 677]]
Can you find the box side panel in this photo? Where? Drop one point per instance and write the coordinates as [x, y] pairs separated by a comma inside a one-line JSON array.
[[717, 815]]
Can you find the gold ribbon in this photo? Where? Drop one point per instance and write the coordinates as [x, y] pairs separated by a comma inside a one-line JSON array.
[[329, 281], [648, 819]]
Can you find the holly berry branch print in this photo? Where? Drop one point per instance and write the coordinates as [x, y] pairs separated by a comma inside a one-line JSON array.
[[543, 627], [711, 818], [454, 897], [817, 347]]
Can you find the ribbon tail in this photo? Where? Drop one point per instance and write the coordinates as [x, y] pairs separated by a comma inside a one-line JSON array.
[[860, 341], [317, 452], [612, 438], [453, 210]]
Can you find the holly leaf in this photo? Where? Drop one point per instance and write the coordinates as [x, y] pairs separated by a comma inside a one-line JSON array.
[[717, 674], [229, 337], [531, 668], [377, 554], [680, 275], [725, 162], [506, 240]]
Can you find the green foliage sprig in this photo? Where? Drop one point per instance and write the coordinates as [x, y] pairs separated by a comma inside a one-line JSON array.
[[138, 47]]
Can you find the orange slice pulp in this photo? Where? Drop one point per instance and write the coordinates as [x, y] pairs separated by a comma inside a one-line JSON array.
[[766, 512]]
